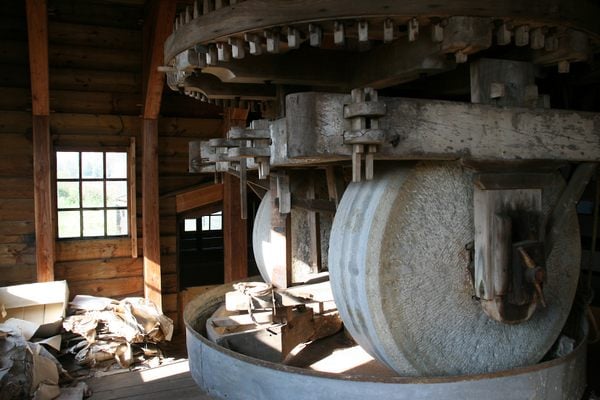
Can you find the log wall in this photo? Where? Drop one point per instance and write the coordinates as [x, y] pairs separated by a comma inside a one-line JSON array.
[[95, 57]]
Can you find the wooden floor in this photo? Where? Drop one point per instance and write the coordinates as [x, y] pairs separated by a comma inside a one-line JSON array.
[[172, 381], [169, 381]]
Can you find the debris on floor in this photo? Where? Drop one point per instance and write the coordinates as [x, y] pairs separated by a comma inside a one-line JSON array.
[[29, 370], [45, 356], [108, 331]]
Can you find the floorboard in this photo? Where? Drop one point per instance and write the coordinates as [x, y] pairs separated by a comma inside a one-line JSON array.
[[171, 381]]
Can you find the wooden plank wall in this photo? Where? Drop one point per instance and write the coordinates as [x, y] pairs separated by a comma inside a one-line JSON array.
[[95, 52]]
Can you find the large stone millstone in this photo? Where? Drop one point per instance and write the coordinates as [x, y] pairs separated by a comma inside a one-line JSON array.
[[398, 268]]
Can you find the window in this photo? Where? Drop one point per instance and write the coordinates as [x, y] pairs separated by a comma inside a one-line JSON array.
[[212, 222], [92, 194]]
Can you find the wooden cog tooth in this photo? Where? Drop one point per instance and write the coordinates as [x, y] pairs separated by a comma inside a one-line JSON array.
[[315, 33], [223, 51], [503, 35], [196, 12], [522, 35], [238, 49], [272, 41], [413, 30], [254, 43], [437, 33], [212, 55], [363, 31], [188, 15], [537, 38], [293, 37], [208, 6], [339, 36], [389, 27]]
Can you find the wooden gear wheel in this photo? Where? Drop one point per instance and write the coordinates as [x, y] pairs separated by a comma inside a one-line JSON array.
[[400, 277]]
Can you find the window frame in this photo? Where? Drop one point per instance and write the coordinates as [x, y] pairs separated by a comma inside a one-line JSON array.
[[131, 192]]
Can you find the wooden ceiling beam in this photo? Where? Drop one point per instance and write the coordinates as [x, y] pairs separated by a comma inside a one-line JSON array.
[[161, 29]]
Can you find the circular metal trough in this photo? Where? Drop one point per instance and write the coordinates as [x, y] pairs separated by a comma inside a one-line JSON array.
[[225, 374]]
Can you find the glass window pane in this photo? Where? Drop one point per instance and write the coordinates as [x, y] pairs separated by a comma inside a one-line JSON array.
[[92, 165], [215, 222], [93, 223], [92, 193], [68, 224], [116, 193], [67, 194], [205, 223], [189, 225], [117, 222], [116, 165], [67, 165]]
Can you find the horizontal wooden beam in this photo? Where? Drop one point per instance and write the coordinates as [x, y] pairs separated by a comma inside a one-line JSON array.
[[437, 130], [117, 125], [199, 197]]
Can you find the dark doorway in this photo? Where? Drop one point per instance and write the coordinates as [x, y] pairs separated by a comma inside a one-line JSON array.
[[201, 247], [200, 244]]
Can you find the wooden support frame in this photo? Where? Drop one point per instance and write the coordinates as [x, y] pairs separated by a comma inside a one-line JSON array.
[[162, 22], [150, 212], [163, 25], [132, 199], [37, 32], [199, 197], [234, 231], [43, 199]]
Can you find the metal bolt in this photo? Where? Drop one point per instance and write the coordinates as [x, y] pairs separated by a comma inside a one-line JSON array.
[[534, 275], [357, 151]]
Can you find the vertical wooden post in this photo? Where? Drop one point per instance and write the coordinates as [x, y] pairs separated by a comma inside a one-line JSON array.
[[37, 32], [234, 231], [161, 24], [42, 194], [281, 238], [150, 212]]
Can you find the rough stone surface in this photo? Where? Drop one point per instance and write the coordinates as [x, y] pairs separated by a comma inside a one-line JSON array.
[[399, 275]]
